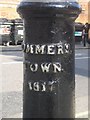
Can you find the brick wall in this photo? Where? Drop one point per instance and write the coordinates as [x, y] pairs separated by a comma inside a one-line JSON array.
[[84, 16], [10, 11], [89, 12]]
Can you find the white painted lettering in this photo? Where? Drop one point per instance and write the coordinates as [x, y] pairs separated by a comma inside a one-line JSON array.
[[49, 86], [30, 85], [60, 49], [34, 67], [39, 49], [45, 67], [51, 49], [31, 49], [67, 48], [36, 86], [27, 48], [43, 87], [57, 67]]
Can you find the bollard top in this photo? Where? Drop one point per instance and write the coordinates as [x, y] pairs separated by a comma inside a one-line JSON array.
[[49, 0], [49, 8]]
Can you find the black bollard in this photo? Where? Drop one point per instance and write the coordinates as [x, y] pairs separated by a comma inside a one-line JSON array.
[[12, 32], [49, 75]]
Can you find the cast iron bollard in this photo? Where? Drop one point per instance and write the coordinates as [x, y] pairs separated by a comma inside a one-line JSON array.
[[49, 76]]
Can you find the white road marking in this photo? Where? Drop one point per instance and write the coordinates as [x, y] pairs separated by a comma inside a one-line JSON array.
[[82, 114], [79, 58], [5, 63], [78, 54]]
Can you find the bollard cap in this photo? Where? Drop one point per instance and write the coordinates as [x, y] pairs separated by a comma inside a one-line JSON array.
[[49, 1], [49, 8]]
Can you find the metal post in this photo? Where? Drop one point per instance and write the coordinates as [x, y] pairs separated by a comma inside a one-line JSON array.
[[12, 32], [49, 76]]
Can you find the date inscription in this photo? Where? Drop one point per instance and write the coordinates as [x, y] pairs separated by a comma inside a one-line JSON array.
[[45, 67], [43, 86]]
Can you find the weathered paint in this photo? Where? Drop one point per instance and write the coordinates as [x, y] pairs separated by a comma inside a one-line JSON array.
[[49, 76]]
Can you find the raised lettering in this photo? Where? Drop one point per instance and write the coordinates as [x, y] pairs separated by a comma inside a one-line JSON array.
[[45, 67], [57, 67], [31, 49], [49, 86], [67, 48], [43, 85], [39, 49], [51, 49], [27, 48], [36, 86], [60, 49], [52, 85], [30, 86], [34, 67]]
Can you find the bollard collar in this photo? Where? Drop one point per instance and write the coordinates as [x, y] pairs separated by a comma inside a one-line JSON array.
[[49, 1], [49, 8]]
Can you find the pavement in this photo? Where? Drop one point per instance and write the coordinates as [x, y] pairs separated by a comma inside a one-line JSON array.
[[80, 46]]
